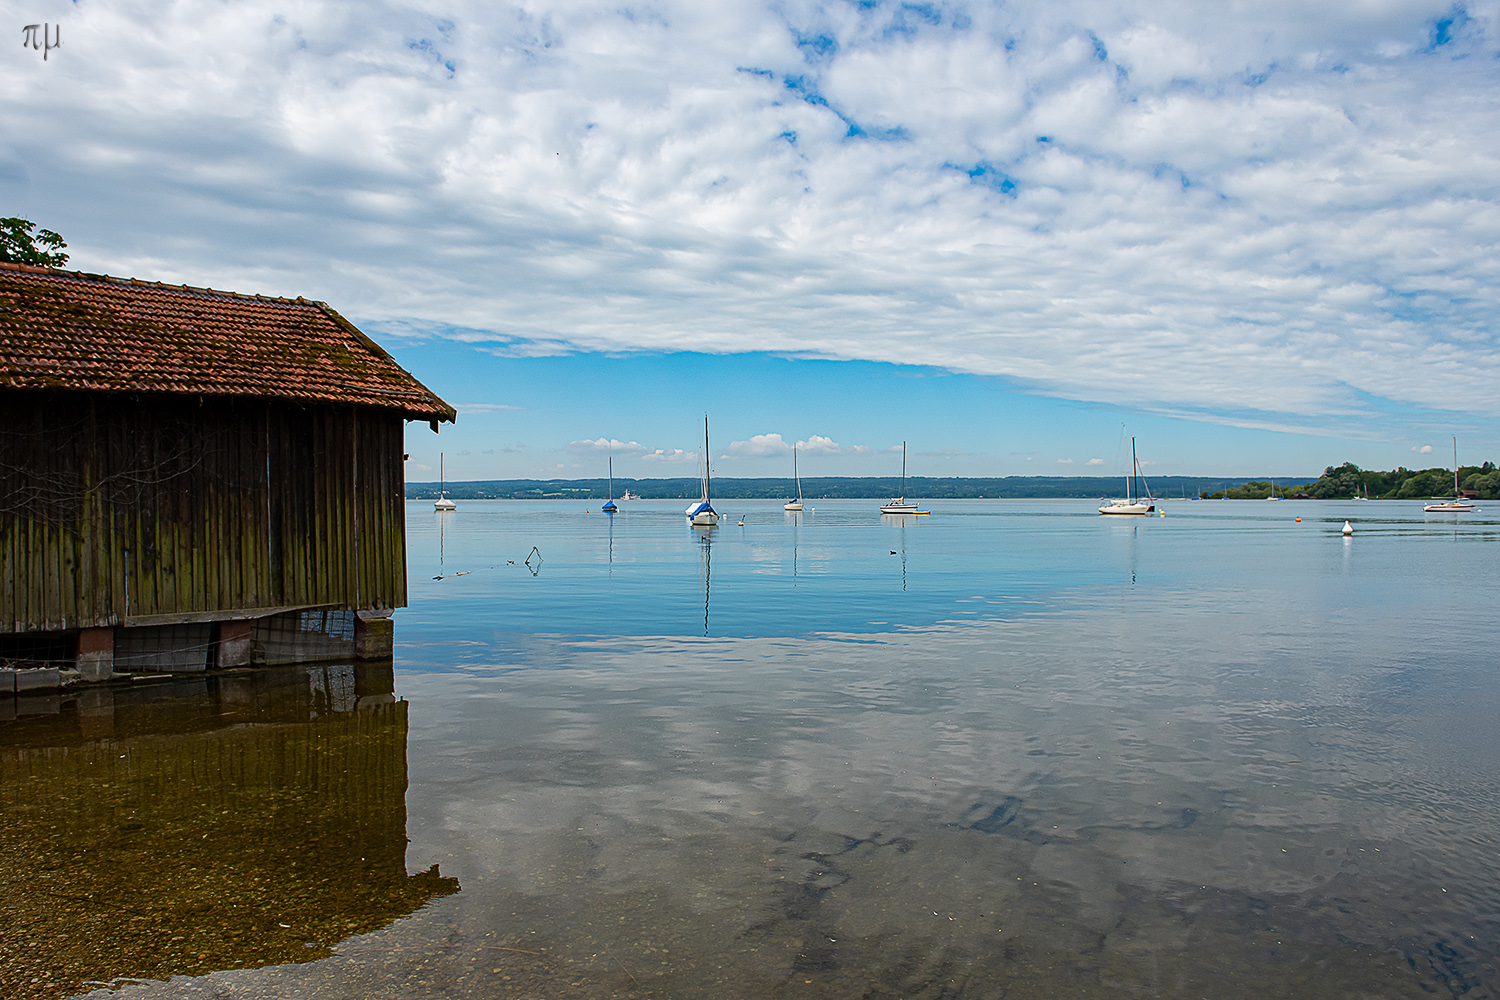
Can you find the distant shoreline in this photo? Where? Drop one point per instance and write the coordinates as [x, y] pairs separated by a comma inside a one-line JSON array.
[[829, 488]]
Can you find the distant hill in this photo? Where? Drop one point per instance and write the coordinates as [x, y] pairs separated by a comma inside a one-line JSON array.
[[1480, 482], [818, 488]]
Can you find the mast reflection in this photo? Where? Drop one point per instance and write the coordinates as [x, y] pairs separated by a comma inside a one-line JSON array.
[[706, 562]]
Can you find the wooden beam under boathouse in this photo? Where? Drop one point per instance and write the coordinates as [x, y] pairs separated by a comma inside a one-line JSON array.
[[192, 478]]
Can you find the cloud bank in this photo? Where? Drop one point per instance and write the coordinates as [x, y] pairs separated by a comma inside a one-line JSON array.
[[606, 446], [1266, 209]]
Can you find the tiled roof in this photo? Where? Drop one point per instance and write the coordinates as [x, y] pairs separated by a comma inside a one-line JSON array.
[[70, 330]]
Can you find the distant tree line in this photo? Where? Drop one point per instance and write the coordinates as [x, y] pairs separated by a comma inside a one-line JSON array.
[[816, 488], [1349, 480]]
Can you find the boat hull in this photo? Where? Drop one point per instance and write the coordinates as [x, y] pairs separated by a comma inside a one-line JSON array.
[[1447, 508], [794, 505], [702, 515], [902, 508], [444, 504], [1137, 509]]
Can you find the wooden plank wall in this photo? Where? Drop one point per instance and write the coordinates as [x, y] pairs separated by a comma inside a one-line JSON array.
[[115, 507]]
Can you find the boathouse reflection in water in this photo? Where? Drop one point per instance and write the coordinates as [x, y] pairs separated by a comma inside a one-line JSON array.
[[214, 823]]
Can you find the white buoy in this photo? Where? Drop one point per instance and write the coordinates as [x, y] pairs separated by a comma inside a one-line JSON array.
[[1348, 528]]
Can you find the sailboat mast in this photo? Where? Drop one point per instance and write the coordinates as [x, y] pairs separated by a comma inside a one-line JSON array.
[[1455, 468], [442, 478], [1135, 471], [903, 471], [705, 457], [795, 477]]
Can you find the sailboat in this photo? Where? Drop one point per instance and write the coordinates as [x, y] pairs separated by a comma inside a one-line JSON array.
[[702, 513], [1456, 504], [1131, 504], [442, 502], [899, 505], [610, 508], [1273, 495], [797, 503]]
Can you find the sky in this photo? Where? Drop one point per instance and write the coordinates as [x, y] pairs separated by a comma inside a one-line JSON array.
[[1260, 238]]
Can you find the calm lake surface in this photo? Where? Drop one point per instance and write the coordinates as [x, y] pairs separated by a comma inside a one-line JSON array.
[[1013, 749]]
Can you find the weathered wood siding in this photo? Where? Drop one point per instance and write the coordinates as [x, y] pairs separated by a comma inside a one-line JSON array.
[[118, 508]]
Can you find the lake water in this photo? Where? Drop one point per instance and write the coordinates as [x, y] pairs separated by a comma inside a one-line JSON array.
[[1013, 749]]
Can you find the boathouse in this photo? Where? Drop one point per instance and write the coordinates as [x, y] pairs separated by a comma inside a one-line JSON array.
[[192, 478]]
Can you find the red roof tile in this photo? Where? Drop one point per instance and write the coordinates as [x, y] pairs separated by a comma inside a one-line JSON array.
[[70, 330]]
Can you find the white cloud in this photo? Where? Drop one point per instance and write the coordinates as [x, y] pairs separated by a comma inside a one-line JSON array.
[[1094, 461], [1259, 208], [1425, 449], [487, 408], [605, 445], [817, 444], [759, 446], [670, 455], [1064, 461]]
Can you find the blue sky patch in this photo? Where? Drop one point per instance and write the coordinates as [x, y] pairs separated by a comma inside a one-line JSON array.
[[1446, 29], [817, 48], [986, 174]]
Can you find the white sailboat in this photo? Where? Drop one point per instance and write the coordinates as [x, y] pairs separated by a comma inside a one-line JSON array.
[[1130, 505], [1450, 505], [442, 502], [702, 513], [797, 503], [609, 507], [899, 505]]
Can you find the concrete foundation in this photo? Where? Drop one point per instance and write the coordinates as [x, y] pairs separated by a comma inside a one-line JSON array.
[[374, 638], [236, 646], [282, 637], [42, 679], [96, 654]]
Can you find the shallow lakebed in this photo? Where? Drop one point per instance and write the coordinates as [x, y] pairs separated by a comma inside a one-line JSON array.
[[1010, 749]]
